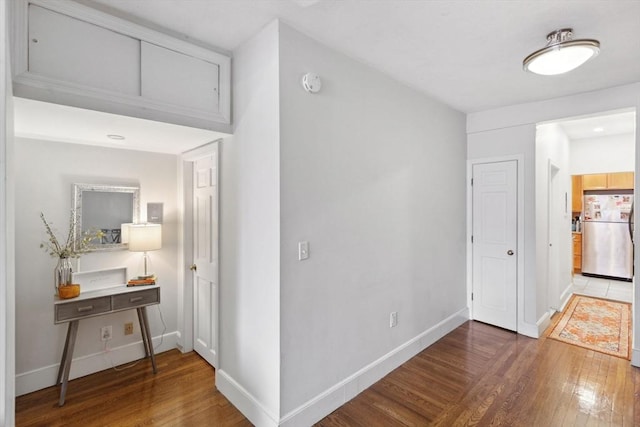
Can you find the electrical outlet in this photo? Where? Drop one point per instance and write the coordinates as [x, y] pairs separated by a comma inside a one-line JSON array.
[[128, 328], [106, 333], [393, 319], [303, 251]]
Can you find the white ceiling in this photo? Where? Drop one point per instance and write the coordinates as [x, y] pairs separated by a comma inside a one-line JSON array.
[[468, 54], [465, 53], [609, 124], [52, 122]]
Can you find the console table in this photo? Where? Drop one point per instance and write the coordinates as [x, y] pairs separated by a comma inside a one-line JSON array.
[[99, 303]]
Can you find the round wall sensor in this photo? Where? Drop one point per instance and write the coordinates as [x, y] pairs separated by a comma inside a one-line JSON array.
[[311, 82]]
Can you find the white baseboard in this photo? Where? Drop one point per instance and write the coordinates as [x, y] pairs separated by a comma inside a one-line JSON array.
[[46, 376], [529, 330], [543, 323], [635, 357], [326, 402], [244, 401], [565, 297]]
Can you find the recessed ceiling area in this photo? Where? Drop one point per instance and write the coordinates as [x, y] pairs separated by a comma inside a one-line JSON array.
[[60, 123], [608, 124]]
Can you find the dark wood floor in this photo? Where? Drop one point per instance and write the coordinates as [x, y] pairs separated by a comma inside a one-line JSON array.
[[476, 375]]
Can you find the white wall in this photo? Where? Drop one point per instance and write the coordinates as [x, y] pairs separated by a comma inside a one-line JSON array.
[[44, 184], [249, 372], [615, 153], [373, 175], [7, 234], [553, 145], [512, 129]]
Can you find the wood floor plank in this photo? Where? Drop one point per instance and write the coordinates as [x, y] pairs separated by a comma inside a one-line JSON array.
[[498, 378], [476, 375], [181, 393]]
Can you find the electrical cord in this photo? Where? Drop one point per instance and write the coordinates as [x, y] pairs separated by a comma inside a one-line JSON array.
[[107, 350]]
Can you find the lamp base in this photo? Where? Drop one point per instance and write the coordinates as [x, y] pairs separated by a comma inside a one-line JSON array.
[[146, 276]]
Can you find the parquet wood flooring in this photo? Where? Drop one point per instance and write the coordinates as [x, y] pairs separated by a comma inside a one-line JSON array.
[[476, 375]]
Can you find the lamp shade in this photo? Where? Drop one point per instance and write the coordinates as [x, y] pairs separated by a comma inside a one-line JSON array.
[[145, 237]]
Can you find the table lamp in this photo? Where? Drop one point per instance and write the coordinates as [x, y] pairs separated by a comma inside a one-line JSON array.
[[144, 238]]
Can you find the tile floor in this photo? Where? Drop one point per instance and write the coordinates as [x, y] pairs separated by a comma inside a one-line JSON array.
[[604, 288]]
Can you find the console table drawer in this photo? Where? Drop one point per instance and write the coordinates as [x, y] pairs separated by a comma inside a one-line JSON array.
[[136, 299], [80, 309]]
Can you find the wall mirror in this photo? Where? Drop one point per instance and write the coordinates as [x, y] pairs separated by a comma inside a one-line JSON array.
[[105, 208]]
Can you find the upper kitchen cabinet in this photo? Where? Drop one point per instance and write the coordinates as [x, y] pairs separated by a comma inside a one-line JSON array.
[[620, 180], [594, 181], [608, 181], [576, 193], [69, 53]]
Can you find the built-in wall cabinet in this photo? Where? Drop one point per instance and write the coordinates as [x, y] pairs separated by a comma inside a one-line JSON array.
[[71, 54]]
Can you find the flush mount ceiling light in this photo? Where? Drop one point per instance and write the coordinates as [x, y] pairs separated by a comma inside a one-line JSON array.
[[562, 54]]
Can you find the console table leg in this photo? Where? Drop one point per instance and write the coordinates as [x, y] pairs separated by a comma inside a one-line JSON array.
[[143, 331], [68, 355], [149, 340], [64, 355]]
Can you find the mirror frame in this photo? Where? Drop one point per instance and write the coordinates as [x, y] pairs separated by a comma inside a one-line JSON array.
[[79, 189]]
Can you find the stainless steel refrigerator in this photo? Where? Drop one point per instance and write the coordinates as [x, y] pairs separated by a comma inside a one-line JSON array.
[[607, 248]]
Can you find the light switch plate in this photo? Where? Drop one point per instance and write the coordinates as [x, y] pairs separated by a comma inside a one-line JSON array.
[[303, 250], [154, 213]]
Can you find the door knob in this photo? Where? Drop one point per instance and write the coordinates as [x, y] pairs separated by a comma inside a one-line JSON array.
[[509, 252], [193, 267]]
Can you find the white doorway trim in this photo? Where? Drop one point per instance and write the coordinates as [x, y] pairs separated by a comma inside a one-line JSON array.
[[522, 328], [553, 228], [185, 243]]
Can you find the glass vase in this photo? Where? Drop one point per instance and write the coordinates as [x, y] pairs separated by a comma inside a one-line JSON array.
[[62, 273]]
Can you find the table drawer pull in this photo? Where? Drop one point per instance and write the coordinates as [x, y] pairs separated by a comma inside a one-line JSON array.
[[135, 299], [83, 309]]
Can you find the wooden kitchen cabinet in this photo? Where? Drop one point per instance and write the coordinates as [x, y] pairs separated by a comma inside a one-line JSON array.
[[577, 252], [620, 181], [576, 193], [594, 181], [608, 181]]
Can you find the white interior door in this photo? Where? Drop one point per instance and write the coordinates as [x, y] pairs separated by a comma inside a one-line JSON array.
[[205, 257], [494, 223]]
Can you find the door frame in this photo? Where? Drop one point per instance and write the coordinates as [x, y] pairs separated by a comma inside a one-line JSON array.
[[520, 238], [553, 277], [185, 242]]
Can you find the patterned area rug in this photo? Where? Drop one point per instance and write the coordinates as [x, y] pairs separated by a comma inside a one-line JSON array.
[[596, 324]]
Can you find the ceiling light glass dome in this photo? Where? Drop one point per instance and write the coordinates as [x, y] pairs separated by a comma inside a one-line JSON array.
[[562, 54]]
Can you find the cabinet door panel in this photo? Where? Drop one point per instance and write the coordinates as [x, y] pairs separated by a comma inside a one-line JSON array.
[[620, 180], [576, 193], [179, 79], [74, 51], [596, 181]]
